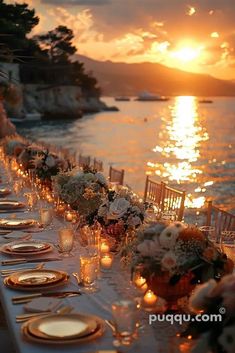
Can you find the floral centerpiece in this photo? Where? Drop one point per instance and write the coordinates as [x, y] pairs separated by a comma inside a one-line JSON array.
[[173, 258], [47, 165], [217, 300], [82, 189], [120, 210]]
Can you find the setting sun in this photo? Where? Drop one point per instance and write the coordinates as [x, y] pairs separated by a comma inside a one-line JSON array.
[[187, 54]]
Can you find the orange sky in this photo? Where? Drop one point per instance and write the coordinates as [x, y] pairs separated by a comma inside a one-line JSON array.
[[197, 36]]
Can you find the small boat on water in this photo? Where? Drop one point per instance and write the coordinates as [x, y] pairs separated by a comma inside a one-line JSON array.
[[205, 101], [29, 117], [150, 97], [122, 99]]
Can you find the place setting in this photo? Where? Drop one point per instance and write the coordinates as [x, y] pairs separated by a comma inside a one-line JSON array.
[[4, 191], [11, 206], [63, 329], [36, 279]]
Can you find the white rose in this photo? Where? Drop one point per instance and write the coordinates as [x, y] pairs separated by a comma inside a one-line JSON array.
[[199, 298], [169, 261], [227, 339], [148, 248], [118, 208], [169, 236], [50, 161]]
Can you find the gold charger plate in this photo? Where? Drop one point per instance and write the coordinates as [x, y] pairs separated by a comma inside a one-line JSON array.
[[4, 191], [65, 326], [36, 277], [26, 247], [11, 205], [99, 331], [8, 283], [17, 223]]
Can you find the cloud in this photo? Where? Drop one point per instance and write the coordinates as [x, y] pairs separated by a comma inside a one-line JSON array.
[[86, 3]]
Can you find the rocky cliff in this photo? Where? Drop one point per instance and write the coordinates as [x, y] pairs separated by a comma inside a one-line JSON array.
[[51, 101]]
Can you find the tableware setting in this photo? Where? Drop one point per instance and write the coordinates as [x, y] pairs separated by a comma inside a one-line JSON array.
[[21, 299], [23, 260], [63, 328], [17, 223], [32, 280], [26, 248], [11, 205], [4, 192]]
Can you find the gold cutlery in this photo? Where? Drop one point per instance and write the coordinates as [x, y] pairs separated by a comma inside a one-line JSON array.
[[26, 317], [24, 260], [76, 275], [27, 298], [8, 272]]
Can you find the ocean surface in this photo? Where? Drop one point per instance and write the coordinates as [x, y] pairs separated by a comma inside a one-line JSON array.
[[189, 144]]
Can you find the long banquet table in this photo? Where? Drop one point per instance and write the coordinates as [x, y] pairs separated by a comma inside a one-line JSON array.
[[97, 304]]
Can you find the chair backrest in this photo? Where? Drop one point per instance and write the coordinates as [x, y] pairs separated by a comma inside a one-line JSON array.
[[172, 200], [220, 219], [152, 191], [116, 176], [84, 160], [98, 165]]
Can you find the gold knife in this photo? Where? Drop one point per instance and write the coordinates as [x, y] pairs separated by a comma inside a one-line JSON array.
[[24, 260]]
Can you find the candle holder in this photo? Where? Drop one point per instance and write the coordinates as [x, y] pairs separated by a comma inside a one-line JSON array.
[[89, 269], [106, 262], [46, 216], [66, 240], [125, 317]]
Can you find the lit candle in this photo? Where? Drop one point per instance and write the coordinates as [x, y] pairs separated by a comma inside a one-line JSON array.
[[140, 283], [106, 261], [69, 217], [150, 298], [60, 209], [104, 247]]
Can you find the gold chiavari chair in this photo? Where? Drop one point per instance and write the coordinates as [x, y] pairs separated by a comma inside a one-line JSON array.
[[116, 176], [172, 200], [98, 165], [152, 191], [220, 219], [84, 160]]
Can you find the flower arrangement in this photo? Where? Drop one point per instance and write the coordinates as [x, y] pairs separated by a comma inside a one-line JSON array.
[[121, 210], [47, 165], [82, 189], [212, 298], [173, 252]]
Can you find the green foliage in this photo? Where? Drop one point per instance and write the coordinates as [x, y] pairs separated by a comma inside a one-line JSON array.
[[44, 59], [16, 21], [57, 44]]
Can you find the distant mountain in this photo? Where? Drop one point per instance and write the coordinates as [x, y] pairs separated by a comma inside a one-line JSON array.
[[130, 79]]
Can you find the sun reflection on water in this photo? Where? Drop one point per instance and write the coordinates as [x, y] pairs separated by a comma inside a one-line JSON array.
[[179, 146]]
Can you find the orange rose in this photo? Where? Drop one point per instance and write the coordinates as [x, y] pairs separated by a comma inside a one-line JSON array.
[[190, 234], [210, 254]]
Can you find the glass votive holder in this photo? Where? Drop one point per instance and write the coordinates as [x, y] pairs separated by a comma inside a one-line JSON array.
[[89, 269], [125, 317], [106, 261], [66, 240], [209, 233], [104, 246], [46, 216]]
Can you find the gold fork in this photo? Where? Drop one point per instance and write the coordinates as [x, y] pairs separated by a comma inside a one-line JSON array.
[[26, 317], [6, 273]]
